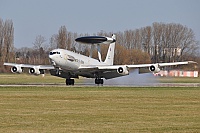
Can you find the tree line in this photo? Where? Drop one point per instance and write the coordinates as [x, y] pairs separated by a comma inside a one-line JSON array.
[[6, 41], [159, 42]]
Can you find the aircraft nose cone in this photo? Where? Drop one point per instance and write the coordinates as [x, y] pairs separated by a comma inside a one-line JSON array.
[[52, 55], [51, 59]]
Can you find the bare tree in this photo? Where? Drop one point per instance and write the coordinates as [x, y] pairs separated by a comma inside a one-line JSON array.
[[39, 42], [53, 42], [39, 45], [172, 42], [146, 36], [1, 38], [62, 40], [6, 41], [7, 45]]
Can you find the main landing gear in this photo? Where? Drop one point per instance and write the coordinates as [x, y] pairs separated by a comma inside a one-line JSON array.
[[69, 81], [99, 81]]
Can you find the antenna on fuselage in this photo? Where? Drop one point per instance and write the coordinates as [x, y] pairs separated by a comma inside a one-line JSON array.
[[92, 40]]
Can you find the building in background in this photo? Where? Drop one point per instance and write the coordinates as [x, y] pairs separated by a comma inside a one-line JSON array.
[[178, 73]]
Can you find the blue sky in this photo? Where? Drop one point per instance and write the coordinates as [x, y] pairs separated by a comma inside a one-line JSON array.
[[45, 17]]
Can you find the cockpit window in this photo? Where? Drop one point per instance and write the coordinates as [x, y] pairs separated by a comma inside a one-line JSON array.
[[52, 53]]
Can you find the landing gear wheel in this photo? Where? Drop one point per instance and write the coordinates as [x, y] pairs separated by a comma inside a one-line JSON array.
[[69, 81], [98, 81], [101, 81]]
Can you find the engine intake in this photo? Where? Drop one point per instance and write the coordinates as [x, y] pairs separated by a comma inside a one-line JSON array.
[[123, 70], [16, 69], [36, 71], [154, 68]]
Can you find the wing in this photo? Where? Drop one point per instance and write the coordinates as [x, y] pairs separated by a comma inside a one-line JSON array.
[[106, 72], [44, 67], [162, 64], [113, 71], [33, 69]]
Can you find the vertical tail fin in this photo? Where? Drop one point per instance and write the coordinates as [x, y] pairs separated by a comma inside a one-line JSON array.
[[110, 54]]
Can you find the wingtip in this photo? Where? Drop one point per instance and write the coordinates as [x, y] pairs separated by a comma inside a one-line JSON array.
[[192, 62]]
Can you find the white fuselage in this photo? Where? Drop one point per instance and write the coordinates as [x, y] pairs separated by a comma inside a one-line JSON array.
[[68, 60]]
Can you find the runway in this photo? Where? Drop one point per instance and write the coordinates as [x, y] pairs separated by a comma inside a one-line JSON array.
[[106, 85]]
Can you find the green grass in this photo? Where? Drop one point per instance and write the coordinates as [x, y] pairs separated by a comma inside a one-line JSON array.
[[29, 79], [99, 109]]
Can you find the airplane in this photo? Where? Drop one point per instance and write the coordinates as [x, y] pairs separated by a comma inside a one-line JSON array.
[[69, 65]]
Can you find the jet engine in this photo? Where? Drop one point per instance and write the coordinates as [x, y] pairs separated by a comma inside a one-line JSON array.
[[36, 71], [154, 68], [123, 70], [16, 69]]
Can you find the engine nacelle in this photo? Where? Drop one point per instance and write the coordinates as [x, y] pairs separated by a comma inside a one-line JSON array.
[[154, 68], [36, 71], [16, 69], [123, 70]]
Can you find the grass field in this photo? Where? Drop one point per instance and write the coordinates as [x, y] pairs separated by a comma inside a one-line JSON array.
[[29, 79], [99, 109]]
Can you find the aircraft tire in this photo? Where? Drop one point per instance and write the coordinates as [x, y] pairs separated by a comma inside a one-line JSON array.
[[69, 81], [101, 81], [98, 81]]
